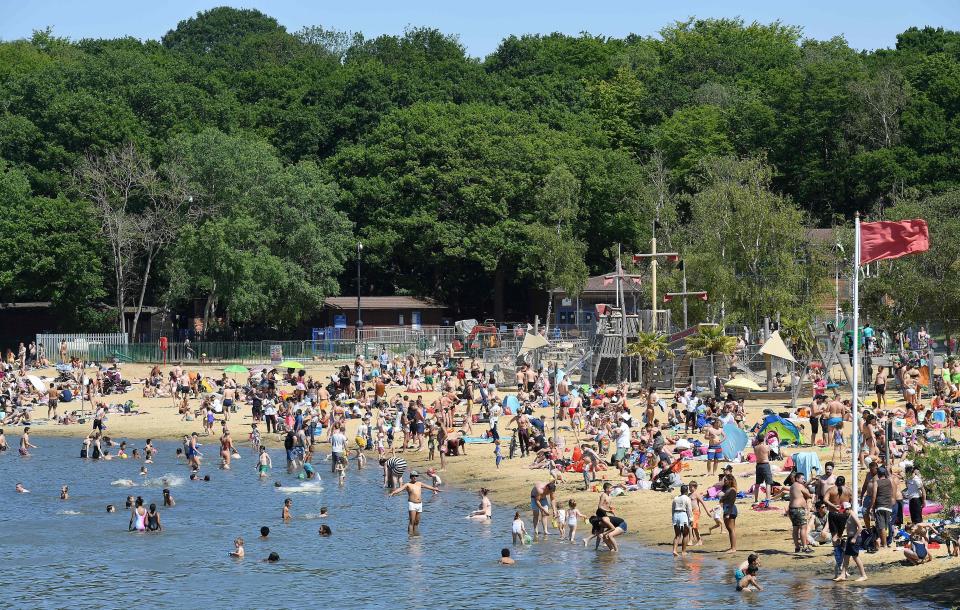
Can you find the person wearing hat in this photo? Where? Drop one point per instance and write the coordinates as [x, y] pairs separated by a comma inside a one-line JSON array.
[[414, 491]]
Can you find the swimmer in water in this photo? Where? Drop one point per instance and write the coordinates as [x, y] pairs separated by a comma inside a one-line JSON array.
[[486, 509], [272, 558], [3, 441], [505, 559], [111, 508], [323, 512], [518, 528], [286, 510], [153, 519], [21, 489], [749, 580], [264, 532], [168, 499], [237, 551], [64, 493], [414, 491], [341, 470], [143, 471], [25, 445], [149, 451], [226, 448], [264, 463], [325, 531]]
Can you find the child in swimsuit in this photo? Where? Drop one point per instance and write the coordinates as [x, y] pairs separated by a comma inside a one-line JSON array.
[[519, 529]]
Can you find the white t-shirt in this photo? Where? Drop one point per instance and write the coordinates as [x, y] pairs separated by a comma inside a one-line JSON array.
[[623, 441], [913, 487], [338, 442]]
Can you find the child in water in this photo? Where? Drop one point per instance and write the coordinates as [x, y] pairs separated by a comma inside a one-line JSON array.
[[341, 472], [238, 549], [519, 529], [749, 580], [573, 516], [64, 493]]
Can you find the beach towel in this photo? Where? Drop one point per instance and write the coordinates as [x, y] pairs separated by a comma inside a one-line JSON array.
[[805, 461]]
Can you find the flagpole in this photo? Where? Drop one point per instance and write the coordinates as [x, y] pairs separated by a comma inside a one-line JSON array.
[[855, 440]]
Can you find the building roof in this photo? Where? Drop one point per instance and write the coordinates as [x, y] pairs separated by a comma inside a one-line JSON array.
[[383, 303], [600, 284]]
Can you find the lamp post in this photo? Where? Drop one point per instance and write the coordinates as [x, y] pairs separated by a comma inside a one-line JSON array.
[[359, 320]]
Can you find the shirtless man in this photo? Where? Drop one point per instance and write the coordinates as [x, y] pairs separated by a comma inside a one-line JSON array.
[[652, 398], [816, 416], [414, 491], [25, 445], [798, 510], [604, 509], [53, 396], [764, 474], [713, 435], [834, 417], [542, 504]]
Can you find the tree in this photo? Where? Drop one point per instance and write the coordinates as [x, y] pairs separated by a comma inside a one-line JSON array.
[[49, 251], [710, 341], [649, 347], [112, 183], [748, 244], [271, 243]]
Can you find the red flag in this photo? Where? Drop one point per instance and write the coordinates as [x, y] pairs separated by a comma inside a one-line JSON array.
[[880, 240]]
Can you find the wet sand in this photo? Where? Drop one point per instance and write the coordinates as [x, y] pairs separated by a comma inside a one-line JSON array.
[[647, 512]]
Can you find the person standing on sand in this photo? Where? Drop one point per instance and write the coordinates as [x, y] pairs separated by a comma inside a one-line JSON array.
[[728, 500], [764, 474], [414, 491], [713, 435], [800, 498]]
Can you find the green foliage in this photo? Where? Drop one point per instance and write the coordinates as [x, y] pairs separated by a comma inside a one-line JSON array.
[[710, 341], [919, 287], [478, 181], [940, 470]]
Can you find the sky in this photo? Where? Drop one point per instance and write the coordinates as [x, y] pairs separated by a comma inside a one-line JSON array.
[[866, 24]]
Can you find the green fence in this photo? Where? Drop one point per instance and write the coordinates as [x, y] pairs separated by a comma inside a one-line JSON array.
[[252, 352]]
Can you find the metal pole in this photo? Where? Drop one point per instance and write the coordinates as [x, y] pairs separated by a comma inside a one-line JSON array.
[[855, 441], [359, 324], [623, 318], [685, 326], [653, 283]]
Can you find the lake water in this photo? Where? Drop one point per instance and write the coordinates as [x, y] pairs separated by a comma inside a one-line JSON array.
[[73, 554]]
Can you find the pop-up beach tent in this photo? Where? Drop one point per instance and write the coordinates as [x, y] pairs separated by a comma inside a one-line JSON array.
[[786, 430]]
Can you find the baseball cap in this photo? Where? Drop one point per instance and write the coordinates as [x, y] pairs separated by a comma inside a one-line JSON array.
[[414, 473]]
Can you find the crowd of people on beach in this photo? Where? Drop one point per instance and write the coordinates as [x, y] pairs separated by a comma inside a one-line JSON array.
[[613, 451]]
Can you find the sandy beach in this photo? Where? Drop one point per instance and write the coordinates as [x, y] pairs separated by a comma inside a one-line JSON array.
[[647, 512]]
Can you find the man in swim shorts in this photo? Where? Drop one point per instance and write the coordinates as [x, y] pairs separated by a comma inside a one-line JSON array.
[[764, 474], [414, 491], [541, 502], [713, 435], [800, 498]]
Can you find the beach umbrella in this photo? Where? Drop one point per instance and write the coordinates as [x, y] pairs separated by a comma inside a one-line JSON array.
[[742, 383], [37, 383], [235, 368], [290, 364]]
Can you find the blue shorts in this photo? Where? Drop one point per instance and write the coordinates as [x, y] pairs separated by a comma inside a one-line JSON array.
[[545, 503], [290, 455], [714, 452]]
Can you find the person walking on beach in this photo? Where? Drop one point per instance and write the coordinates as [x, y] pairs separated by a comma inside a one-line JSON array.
[[414, 491], [682, 516], [226, 447]]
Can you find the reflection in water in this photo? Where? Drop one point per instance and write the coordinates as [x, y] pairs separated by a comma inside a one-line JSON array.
[[85, 558]]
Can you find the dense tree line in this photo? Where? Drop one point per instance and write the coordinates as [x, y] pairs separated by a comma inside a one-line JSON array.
[[234, 163]]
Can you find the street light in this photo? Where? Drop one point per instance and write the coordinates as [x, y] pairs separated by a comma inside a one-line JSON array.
[[359, 321]]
